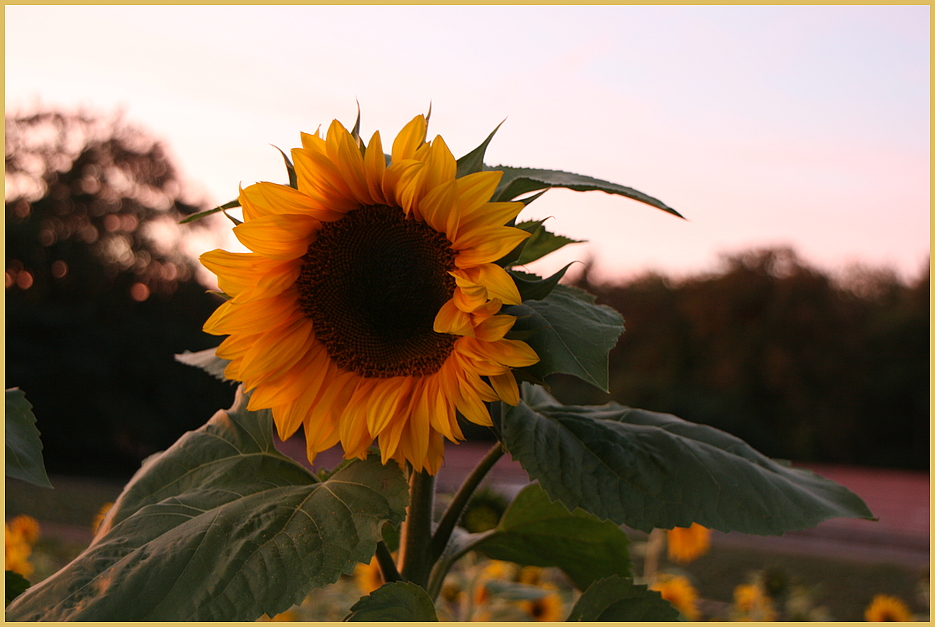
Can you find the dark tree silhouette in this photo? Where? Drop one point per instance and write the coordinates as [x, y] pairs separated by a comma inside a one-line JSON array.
[[800, 365], [98, 294]]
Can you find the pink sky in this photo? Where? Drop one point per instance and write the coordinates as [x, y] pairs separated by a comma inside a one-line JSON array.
[[802, 126]]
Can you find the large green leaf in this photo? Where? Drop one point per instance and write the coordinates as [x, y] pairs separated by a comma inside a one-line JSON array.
[[538, 532], [571, 335], [23, 446], [646, 470], [534, 287], [517, 181], [400, 601], [616, 599], [222, 527]]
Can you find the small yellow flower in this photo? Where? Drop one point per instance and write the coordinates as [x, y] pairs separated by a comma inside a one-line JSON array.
[[751, 604], [369, 306], [547, 609], [688, 544], [494, 569], [531, 575], [368, 577], [680, 593], [886, 608], [20, 534]]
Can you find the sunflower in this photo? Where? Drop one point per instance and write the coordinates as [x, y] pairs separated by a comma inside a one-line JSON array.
[[752, 604], [680, 593], [885, 608], [369, 306], [548, 608], [686, 544]]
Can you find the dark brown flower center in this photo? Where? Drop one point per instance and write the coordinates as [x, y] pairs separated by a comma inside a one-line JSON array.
[[372, 284]]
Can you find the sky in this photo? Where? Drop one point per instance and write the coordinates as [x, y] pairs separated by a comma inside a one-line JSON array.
[[799, 126]]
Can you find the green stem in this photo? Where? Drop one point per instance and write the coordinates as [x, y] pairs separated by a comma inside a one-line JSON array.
[[445, 563], [417, 530], [387, 565], [460, 500]]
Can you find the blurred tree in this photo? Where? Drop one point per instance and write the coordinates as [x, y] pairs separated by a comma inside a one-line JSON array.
[[99, 295], [801, 366]]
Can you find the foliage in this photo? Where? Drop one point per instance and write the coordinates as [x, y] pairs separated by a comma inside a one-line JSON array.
[[23, 448]]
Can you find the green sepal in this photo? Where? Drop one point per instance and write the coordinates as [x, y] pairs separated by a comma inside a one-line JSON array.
[[22, 444], [649, 470], [569, 334], [533, 287], [518, 181], [222, 527], [400, 601], [16, 585], [541, 244], [536, 531], [618, 599], [511, 257], [290, 169], [474, 161], [233, 204]]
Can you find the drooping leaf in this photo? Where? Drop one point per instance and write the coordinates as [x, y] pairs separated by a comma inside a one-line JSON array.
[[233, 204], [538, 532], [16, 585], [400, 601], [616, 599], [532, 287], [474, 161], [541, 244], [23, 446], [569, 334], [647, 470], [222, 527], [517, 181], [207, 360]]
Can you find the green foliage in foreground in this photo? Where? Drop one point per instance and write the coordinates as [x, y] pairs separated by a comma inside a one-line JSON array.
[[22, 444]]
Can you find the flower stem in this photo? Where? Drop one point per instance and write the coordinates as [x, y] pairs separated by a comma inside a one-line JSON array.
[[460, 500], [387, 565], [417, 529]]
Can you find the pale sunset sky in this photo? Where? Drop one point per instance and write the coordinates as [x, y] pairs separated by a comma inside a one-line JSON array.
[[805, 126]]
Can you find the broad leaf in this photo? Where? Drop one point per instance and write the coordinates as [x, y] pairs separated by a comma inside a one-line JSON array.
[[541, 244], [16, 584], [569, 334], [616, 599], [400, 601], [474, 161], [647, 470], [518, 181], [207, 360], [535, 531], [23, 446], [533, 287], [222, 527]]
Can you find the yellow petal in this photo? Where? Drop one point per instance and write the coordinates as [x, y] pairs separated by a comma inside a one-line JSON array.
[[450, 319], [505, 387], [439, 208], [253, 317], [494, 328], [484, 215], [345, 153], [374, 168], [486, 244], [498, 281], [268, 198], [277, 350], [320, 178], [513, 353], [411, 137], [237, 271], [278, 236]]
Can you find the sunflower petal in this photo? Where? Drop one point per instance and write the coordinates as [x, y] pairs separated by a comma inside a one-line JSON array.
[[278, 236], [375, 168], [486, 244], [411, 137], [450, 319], [505, 387], [262, 199]]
